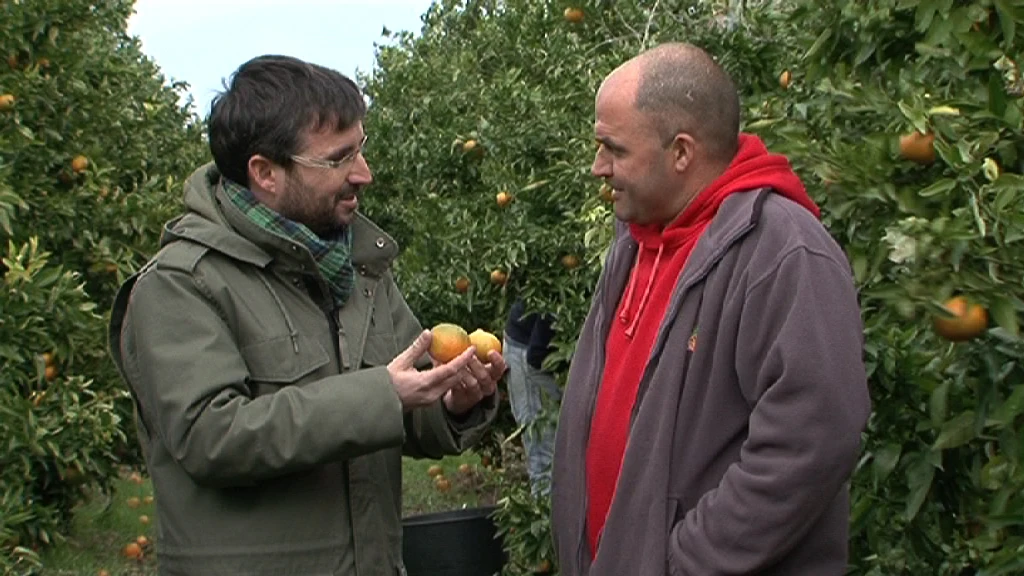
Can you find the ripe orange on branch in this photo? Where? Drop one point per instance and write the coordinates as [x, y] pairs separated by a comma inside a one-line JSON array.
[[968, 322]]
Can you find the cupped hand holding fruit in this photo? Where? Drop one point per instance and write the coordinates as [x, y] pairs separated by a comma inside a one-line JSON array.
[[418, 388], [479, 378]]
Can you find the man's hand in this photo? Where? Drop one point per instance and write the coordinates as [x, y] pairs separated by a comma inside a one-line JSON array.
[[474, 383], [416, 388]]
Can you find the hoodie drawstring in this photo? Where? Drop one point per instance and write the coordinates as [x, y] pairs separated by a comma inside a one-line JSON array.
[[647, 293], [292, 332], [624, 315]]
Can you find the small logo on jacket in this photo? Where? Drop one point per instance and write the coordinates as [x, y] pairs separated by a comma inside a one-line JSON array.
[[691, 345]]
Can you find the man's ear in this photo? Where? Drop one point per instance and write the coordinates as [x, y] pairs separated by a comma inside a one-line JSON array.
[[263, 174], [684, 150]]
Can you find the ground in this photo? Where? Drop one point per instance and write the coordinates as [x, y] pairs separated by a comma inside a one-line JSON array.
[[104, 526]]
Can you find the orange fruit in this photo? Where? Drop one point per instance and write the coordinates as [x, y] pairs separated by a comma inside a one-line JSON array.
[[484, 342], [435, 471], [144, 519], [469, 145], [147, 500], [142, 541], [465, 469], [103, 573], [504, 198], [79, 164], [6, 102], [969, 320], [485, 461], [543, 567], [133, 550], [918, 147], [443, 484], [498, 278], [785, 79], [574, 15], [133, 502], [570, 261], [48, 358], [50, 373], [462, 284], [135, 477], [448, 341]]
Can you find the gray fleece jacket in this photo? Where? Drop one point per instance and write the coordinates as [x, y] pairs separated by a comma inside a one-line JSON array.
[[742, 441]]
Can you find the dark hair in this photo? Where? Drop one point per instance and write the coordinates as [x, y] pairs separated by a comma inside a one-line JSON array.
[[684, 90], [270, 101]]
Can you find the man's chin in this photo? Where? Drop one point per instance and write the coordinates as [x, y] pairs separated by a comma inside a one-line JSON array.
[[343, 219]]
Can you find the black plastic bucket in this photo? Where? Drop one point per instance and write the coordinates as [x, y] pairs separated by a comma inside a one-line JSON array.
[[456, 543]]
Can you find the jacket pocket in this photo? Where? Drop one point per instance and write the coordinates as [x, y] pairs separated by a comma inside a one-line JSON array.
[[379, 349], [282, 360]]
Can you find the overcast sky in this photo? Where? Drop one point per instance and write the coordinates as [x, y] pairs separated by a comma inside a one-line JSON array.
[[203, 41]]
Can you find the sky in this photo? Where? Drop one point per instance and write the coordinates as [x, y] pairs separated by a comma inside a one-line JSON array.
[[203, 41]]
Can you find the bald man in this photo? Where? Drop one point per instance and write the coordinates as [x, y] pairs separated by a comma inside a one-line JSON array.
[[716, 399]]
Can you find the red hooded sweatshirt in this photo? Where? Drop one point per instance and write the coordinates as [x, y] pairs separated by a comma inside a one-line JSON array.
[[660, 259]]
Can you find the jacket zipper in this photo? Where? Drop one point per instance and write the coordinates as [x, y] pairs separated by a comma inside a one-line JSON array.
[[603, 325], [340, 350], [674, 307], [340, 356]]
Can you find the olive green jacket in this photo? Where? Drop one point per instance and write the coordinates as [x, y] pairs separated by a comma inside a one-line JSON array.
[[269, 424]]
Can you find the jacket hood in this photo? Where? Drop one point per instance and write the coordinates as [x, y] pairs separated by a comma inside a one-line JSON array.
[[206, 223]]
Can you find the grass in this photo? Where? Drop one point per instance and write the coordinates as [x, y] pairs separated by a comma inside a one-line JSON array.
[[103, 527], [421, 494]]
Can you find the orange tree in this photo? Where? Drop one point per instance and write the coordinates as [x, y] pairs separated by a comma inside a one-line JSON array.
[[481, 140], [842, 88], [92, 142], [905, 119]]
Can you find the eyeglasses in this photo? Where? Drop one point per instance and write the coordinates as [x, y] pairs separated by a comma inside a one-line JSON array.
[[331, 164]]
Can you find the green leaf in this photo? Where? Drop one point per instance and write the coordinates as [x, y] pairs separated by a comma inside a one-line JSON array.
[[944, 186], [919, 479], [956, 432], [1005, 314], [1012, 407], [923, 17], [1007, 19], [938, 404], [885, 461], [819, 43]]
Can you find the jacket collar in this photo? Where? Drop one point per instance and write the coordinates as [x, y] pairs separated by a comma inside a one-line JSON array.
[[213, 221], [738, 215]]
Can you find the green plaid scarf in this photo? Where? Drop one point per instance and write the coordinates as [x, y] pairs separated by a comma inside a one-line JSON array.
[[333, 255]]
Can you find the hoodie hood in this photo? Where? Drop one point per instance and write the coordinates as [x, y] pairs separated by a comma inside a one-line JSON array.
[[752, 168]]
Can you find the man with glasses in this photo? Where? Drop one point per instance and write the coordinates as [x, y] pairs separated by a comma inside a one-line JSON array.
[[277, 372]]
